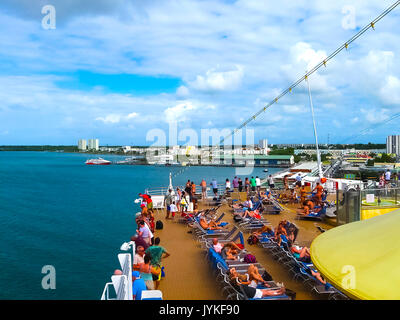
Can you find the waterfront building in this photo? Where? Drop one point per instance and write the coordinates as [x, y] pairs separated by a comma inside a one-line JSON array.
[[393, 145], [82, 145], [263, 144], [259, 160], [93, 144]]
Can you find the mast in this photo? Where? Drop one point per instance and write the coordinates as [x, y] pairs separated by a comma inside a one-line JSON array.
[[170, 187], [315, 130]]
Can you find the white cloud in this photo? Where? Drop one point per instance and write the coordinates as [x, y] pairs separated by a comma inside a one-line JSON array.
[[292, 109], [374, 115], [182, 92], [110, 118], [179, 112], [390, 91], [215, 80]]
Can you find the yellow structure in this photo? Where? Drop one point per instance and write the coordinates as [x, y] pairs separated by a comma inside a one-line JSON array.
[[362, 258], [370, 213]]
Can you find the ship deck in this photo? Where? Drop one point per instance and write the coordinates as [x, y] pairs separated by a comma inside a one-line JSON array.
[[188, 275]]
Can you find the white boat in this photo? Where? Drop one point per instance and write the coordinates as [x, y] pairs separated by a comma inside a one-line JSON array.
[[98, 161]]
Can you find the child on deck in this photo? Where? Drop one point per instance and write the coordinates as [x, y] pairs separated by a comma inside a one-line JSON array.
[[173, 209]]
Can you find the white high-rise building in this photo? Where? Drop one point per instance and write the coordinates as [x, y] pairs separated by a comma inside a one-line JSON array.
[[93, 144], [263, 144], [82, 144], [393, 144]]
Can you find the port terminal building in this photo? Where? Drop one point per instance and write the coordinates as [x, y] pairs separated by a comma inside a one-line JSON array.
[[258, 160]]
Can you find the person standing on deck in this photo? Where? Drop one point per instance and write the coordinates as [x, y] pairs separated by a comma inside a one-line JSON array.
[[214, 185], [192, 191], [240, 185], [157, 253], [227, 185], [138, 285], [139, 241], [178, 196], [303, 193], [247, 184], [235, 184], [168, 199], [298, 180], [253, 184], [286, 182], [271, 182], [139, 257], [387, 176], [145, 232], [188, 187], [203, 185], [173, 209], [319, 189], [258, 184]]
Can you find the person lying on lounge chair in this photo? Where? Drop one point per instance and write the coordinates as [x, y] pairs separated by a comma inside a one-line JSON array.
[[251, 214], [301, 253], [253, 293], [229, 251], [212, 225], [252, 278], [316, 275], [264, 229], [307, 209]]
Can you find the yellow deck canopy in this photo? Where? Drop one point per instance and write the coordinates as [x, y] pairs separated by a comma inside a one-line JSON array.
[[362, 259]]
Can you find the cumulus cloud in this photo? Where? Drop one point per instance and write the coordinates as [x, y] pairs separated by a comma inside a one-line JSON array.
[[215, 80], [292, 109], [390, 91], [179, 112], [182, 92], [116, 118]]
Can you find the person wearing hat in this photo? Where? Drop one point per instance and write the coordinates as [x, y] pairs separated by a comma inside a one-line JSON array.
[[138, 285]]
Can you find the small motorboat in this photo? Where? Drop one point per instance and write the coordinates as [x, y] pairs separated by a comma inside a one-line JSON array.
[[265, 170], [98, 161]]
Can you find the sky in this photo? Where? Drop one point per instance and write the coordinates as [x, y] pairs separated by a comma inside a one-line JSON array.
[[124, 71]]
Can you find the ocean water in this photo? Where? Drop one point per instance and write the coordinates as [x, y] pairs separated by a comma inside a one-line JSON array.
[[55, 210]]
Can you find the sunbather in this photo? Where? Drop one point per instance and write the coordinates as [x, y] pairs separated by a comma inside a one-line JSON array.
[[307, 210], [212, 225], [229, 251], [264, 229], [301, 253], [252, 292], [252, 278], [251, 214], [316, 274]]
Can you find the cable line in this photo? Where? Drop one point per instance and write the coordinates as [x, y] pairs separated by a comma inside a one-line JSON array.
[[319, 65]]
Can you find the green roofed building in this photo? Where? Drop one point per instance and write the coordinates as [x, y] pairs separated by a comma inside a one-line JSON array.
[[258, 160]]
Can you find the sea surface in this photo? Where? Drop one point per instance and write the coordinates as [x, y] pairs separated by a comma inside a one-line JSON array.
[[55, 210]]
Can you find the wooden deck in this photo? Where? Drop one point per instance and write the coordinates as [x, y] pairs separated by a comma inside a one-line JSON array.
[[188, 275]]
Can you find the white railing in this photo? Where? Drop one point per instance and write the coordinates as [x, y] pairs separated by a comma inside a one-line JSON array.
[[122, 284]]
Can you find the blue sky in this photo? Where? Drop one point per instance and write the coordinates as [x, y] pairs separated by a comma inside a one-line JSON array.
[[115, 70]]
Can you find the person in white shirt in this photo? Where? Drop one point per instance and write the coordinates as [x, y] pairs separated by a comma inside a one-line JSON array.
[[387, 176], [227, 185], [173, 209], [271, 182], [258, 184]]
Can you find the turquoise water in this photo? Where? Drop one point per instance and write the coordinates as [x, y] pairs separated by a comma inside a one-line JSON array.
[[55, 210]]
